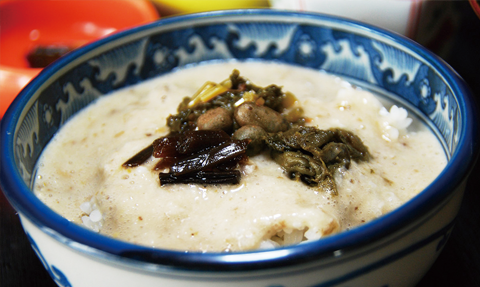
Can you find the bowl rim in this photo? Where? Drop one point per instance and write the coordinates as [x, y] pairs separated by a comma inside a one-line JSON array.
[[25, 202]]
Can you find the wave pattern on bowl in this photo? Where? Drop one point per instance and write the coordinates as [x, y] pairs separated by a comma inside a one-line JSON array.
[[359, 57]]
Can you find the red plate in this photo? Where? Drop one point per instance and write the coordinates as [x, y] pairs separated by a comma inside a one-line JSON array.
[[72, 23]]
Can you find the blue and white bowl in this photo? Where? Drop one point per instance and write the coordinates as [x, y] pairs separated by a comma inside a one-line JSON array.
[[394, 250]]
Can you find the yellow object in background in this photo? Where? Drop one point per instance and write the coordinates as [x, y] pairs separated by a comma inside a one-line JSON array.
[[173, 7]]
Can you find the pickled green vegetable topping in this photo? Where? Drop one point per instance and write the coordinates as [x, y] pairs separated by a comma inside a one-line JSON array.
[[313, 155], [229, 95], [216, 129]]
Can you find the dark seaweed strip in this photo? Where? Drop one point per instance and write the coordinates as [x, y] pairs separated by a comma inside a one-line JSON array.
[[210, 158], [205, 177], [188, 143], [233, 163], [165, 162], [194, 141], [166, 146], [140, 157]]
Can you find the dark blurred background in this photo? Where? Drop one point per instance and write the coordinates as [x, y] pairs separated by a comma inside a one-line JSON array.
[[451, 29]]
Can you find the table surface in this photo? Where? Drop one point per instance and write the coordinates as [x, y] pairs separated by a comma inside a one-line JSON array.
[[457, 265]]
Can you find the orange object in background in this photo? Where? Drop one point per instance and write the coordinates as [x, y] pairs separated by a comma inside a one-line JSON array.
[[27, 24], [475, 6]]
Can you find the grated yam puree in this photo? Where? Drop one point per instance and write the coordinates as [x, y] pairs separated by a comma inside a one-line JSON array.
[[80, 174]]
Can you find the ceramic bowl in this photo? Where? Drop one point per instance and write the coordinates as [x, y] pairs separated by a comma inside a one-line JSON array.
[[393, 250]]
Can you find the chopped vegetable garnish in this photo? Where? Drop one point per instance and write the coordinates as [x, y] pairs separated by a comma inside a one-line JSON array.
[[248, 116], [208, 91]]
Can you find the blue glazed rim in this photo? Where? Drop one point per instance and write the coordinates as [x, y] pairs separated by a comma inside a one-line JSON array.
[[29, 205]]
